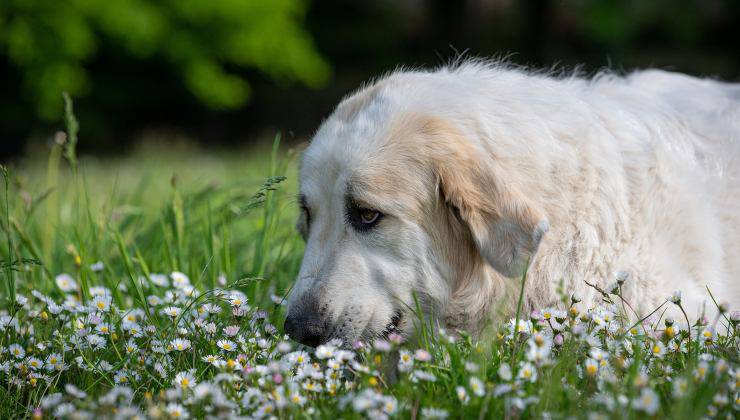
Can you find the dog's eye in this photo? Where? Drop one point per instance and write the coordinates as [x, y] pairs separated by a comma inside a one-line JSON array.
[[363, 219], [368, 216]]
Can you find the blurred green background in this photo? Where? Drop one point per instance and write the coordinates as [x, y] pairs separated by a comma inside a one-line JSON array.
[[233, 72]]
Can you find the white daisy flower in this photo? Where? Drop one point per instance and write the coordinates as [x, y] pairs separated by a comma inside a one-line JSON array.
[[184, 380], [66, 283], [180, 344], [648, 401], [226, 345]]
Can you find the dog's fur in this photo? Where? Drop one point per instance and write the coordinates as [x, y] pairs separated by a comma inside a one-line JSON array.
[[480, 168]]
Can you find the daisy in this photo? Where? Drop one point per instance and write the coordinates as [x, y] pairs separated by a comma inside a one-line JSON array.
[[131, 347], [95, 341], [180, 344], [591, 367], [405, 361], [648, 402], [675, 297], [101, 303], [172, 311], [657, 349], [179, 280], [34, 363], [53, 362], [422, 355], [226, 345], [528, 372], [212, 359], [462, 394], [159, 280], [504, 372], [185, 380], [477, 386], [17, 351], [66, 283], [103, 328], [325, 351], [176, 411]]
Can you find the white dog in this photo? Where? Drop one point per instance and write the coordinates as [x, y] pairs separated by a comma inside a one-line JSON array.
[[443, 185]]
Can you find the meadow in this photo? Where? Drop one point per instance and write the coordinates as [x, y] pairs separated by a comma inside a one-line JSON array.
[[153, 285]]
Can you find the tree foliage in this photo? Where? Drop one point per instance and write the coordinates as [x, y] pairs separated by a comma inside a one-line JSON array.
[[206, 44]]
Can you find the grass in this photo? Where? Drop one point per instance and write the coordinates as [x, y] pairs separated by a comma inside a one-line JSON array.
[[152, 285]]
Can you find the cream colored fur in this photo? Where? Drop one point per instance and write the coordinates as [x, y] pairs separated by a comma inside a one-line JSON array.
[[480, 168]]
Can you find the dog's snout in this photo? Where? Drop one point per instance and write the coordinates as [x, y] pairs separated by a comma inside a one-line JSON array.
[[305, 323], [308, 329]]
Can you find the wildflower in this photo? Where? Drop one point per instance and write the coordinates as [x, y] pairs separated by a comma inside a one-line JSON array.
[[75, 392], [405, 361], [17, 351], [657, 349], [180, 344], [231, 330], [504, 372], [477, 386], [422, 355], [101, 303], [648, 402], [95, 341], [176, 411], [172, 311], [34, 363], [520, 327], [621, 276], [179, 280], [237, 299], [701, 370], [527, 372], [462, 394], [325, 351], [54, 362], [66, 283], [471, 367], [707, 336], [381, 346], [226, 345], [103, 328], [423, 376], [131, 347], [185, 380], [680, 387], [591, 367], [675, 297]]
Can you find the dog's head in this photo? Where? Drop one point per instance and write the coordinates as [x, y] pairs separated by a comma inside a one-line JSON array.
[[398, 207]]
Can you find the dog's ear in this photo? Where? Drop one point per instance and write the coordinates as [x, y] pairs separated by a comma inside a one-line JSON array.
[[505, 226]]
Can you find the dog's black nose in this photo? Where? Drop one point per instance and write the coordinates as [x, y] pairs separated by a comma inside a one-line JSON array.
[[306, 329]]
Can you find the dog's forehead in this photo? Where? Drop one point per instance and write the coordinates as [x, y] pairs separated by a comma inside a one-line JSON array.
[[344, 149]]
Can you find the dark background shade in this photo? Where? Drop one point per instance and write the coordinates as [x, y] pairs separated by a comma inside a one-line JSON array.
[[361, 39]]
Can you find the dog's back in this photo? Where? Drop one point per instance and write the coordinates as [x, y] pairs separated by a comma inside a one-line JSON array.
[[709, 111]]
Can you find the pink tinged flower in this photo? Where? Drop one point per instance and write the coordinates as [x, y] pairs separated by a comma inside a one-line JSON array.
[[231, 330], [395, 338], [558, 340], [277, 378], [422, 355]]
